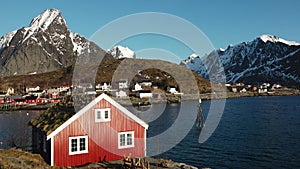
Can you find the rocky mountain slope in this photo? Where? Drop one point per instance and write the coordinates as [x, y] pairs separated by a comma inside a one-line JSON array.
[[45, 45], [266, 59]]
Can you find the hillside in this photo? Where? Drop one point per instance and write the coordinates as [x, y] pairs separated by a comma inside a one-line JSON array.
[[105, 73]]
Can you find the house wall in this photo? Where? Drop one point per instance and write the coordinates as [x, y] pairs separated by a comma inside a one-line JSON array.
[[40, 145], [102, 138]]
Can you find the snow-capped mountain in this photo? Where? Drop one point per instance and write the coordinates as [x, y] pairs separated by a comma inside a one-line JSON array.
[[266, 59], [119, 52], [45, 45]]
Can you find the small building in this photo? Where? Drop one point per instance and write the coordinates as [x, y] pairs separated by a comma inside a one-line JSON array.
[[123, 84], [64, 88], [144, 94], [38, 93], [30, 99], [101, 131], [121, 94], [104, 87], [137, 87], [171, 90], [146, 83], [10, 91], [32, 88], [234, 89]]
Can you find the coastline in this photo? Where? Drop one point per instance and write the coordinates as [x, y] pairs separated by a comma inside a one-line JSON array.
[[170, 98]]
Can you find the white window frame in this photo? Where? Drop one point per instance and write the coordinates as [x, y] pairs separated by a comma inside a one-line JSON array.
[[102, 115], [126, 139], [78, 145]]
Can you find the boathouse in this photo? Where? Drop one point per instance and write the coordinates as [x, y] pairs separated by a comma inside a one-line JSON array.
[[101, 131]]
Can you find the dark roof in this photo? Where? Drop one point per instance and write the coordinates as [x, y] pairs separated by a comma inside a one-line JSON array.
[[54, 116], [144, 91]]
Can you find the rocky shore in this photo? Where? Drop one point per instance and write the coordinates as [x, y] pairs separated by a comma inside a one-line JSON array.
[[15, 158]]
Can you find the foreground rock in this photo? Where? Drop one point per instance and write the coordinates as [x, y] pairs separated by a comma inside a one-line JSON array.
[[15, 158]]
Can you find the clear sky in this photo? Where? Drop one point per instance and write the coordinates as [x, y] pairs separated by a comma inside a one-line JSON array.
[[223, 22]]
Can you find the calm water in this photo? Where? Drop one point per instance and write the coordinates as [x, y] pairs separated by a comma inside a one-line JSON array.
[[256, 132], [14, 128]]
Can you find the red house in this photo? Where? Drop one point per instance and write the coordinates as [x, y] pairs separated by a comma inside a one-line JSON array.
[[101, 131]]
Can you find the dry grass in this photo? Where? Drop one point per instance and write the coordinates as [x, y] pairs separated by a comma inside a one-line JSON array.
[[14, 158]]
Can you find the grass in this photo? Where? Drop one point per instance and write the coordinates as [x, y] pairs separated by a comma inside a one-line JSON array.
[[14, 158]]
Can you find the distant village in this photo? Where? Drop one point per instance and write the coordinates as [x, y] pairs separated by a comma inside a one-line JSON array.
[[35, 95], [262, 88]]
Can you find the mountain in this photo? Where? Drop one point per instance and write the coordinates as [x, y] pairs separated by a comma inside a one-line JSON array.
[[265, 59], [119, 52], [45, 45]]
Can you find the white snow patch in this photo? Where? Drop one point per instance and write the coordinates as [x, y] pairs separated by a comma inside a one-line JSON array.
[[5, 40], [274, 39], [42, 22], [122, 52], [78, 45]]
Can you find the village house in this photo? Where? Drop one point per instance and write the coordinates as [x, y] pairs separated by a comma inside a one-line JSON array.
[[104, 87], [144, 94], [123, 84], [10, 91], [32, 88], [137, 87], [146, 83], [64, 88], [120, 94], [171, 90], [101, 131]]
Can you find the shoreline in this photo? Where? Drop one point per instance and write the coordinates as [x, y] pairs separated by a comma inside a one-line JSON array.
[[170, 98], [16, 158]]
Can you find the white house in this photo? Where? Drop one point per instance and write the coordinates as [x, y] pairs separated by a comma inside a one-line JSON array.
[[243, 90], [262, 90], [172, 90], [104, 87], [144, 94], [121, 94], [64, 88], [123, 84], [137, 87], [146, 83], [32, 88]]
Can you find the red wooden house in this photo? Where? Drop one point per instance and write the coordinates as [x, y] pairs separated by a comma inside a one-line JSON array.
[[101, 131]]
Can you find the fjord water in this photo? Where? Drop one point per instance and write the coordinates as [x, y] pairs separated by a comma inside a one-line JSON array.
[[254, 132], [15, 130]]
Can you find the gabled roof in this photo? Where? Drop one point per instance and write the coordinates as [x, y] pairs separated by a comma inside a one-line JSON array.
[[90, 105]]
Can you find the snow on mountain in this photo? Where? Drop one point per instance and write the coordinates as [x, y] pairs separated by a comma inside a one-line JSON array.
[[4, 41], [276, 39], [265, 59], [47, 44], [119, 52]]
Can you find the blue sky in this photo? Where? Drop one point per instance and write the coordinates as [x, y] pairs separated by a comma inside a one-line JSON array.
[[223, 22]]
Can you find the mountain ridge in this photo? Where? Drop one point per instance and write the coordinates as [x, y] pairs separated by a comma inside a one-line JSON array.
[[265, 59]]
